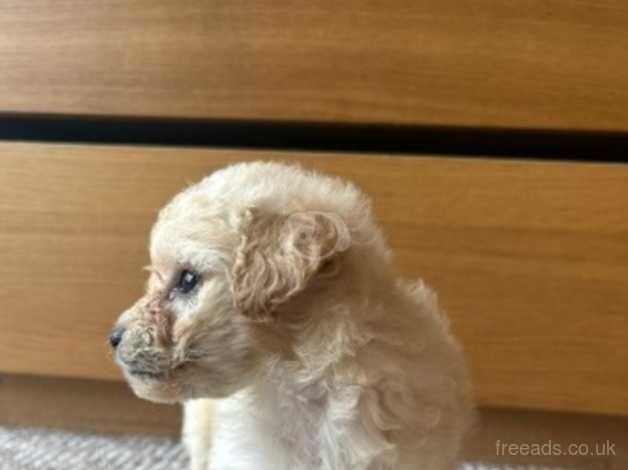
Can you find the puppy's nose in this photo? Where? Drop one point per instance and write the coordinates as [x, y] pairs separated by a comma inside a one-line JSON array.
[[116, 337]]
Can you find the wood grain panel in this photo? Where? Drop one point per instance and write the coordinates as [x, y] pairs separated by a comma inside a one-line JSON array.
[[82, 405], [530, 259], [558, 64]]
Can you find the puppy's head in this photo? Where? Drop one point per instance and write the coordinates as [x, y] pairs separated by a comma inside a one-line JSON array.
[[216, 307]]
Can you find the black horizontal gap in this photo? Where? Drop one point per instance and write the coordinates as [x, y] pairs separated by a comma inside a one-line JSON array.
[[367, 138]]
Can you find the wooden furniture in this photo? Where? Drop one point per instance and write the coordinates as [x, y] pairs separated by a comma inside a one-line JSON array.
[[551, 64], [529, 256], [530, 259]]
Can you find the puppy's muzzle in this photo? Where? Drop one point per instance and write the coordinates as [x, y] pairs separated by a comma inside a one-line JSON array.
[[137, 354]]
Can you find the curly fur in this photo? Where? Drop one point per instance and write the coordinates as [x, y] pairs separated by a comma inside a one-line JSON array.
[[289, 355]]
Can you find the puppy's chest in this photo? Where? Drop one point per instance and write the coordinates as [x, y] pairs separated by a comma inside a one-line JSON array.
[[270, 430]]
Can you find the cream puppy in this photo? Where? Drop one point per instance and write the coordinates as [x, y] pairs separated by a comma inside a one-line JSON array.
[[274, 313]]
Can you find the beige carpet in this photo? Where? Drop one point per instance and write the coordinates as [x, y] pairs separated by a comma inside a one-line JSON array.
[[38, 449]]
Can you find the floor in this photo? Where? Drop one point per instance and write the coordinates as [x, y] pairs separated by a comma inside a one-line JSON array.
[[39, 449]]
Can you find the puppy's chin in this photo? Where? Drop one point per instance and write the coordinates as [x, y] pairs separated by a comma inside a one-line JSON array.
[[155, 389], [177, 386]]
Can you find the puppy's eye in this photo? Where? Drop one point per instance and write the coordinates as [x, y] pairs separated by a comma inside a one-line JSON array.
[[187, 281]]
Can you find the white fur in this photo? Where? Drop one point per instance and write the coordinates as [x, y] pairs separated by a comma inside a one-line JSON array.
[[365, 374]]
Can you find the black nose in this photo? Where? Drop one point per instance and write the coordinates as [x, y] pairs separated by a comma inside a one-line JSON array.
[[116, 337]]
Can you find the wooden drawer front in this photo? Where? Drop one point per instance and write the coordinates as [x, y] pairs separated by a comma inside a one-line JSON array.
[[554, 64], [530, 259]]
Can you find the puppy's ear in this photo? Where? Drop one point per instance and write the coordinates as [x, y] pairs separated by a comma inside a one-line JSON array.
[[279, 256]]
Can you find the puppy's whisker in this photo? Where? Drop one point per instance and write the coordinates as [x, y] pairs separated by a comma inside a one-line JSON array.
[[151, 269]]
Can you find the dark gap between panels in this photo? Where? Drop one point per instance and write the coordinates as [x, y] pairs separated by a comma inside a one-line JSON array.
[[365, 138]]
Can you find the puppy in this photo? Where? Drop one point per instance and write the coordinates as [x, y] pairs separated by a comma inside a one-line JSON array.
[[274, 313]]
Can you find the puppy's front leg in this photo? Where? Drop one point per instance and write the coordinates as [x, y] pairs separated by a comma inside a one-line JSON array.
[[198, 418]]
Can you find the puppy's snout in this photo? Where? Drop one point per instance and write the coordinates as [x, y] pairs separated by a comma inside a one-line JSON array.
[[116, 337]]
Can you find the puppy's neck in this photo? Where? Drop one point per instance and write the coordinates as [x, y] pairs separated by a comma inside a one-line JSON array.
[[317, 335], [312, 400], [314, 392]]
